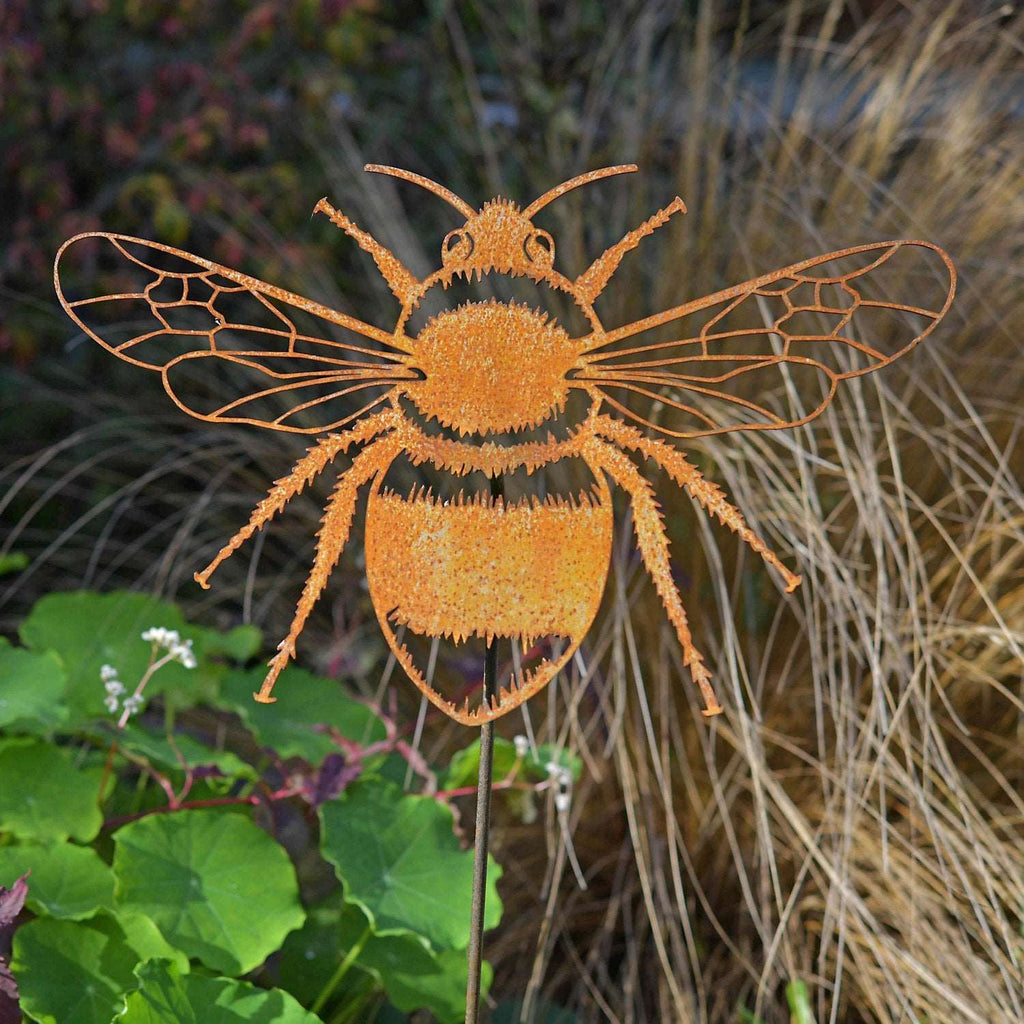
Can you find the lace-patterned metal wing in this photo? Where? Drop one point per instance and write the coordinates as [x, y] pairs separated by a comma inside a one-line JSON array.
[[229, 347], [768, 354]]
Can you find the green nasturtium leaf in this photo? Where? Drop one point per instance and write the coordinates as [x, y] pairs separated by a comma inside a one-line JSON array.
[[464, 766], [89, 630], [31, 690], [68, 971], [307, 706], [414, 977], [217, 886], [77, 971], [550, 753], [157, 749], [240, 644], [66, 880], [390, 766], [13, 561], [399, 860], [164, 996], [465, 763], [144, 937], [511, 1012], [44, 796], [311, 954], [410, 974]]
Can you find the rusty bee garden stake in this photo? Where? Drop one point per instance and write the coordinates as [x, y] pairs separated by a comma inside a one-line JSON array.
[[496, 387]]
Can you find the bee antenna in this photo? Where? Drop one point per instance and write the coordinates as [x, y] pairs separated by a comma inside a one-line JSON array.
[[568, 186], [431, 186]]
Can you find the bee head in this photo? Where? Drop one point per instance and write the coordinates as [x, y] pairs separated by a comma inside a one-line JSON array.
[[499, 238], [490, 366]]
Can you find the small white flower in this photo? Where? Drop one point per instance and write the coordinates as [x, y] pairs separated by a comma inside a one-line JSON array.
[[181, 650], [558, 773], [562, 801], [114, 687], [171, 641], [161, 636], [107, 672], [110, 703], [133, 703], [522, 745], [528, 808]]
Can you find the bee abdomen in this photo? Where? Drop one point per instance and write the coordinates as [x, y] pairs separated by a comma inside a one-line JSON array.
[[488, 568]]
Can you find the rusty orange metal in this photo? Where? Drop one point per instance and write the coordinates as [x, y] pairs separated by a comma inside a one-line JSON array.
[[478, 389]]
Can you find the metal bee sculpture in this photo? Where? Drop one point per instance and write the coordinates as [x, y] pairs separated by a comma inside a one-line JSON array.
[[479, 389]]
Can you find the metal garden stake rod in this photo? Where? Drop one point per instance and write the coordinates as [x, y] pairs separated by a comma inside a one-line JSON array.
[[474, 953], [481, 838]]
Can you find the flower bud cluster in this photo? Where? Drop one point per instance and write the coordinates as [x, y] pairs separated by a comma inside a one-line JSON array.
[[113, 686], [160, 637], [170, 640], [562, 779], [133, 703]]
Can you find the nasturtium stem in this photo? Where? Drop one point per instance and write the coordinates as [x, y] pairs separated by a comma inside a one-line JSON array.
[[343, 967], [364, 1005]]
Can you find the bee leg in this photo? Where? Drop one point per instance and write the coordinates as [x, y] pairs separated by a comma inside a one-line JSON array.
[[690, 478], [312, 463], [331, 539], [592, 281], [400, 280], [650, 535]]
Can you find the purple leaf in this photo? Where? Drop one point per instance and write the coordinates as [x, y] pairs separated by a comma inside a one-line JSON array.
[[8, 995], [12, 900], [334, 774]]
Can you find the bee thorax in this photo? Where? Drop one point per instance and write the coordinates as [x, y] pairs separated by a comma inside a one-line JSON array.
[[491, 367]]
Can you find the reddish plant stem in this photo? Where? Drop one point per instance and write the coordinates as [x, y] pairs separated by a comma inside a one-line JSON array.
[[253, 800]]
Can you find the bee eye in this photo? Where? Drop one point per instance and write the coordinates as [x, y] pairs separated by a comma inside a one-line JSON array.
[[457, 246], [540, 248]]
